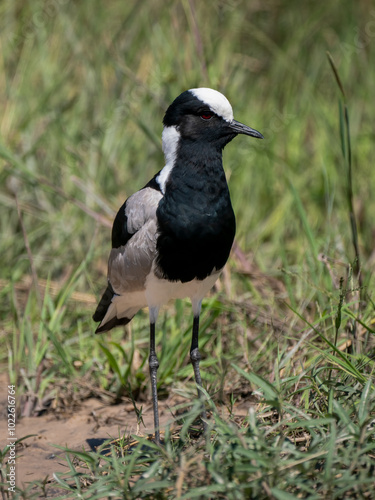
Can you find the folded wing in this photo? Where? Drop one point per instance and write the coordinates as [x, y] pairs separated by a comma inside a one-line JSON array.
[[133, 252]]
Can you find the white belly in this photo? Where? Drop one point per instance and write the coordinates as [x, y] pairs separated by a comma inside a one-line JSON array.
[[160, 291]]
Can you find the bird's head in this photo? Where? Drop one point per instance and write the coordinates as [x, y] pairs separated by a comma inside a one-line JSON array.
[[203, 116]]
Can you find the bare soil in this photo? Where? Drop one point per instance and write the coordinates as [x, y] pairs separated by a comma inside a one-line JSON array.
[[86, 428]]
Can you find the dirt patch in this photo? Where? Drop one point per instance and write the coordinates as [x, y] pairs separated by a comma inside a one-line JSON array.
[[87, 428], [93, 423]]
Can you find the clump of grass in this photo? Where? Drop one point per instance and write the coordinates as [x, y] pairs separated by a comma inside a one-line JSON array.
[[280, 450]]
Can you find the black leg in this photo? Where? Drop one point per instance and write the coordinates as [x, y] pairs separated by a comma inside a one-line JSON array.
[[195, 357], [153, 366]]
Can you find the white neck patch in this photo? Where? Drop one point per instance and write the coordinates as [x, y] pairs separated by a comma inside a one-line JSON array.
[[170, 139], [216, 101]]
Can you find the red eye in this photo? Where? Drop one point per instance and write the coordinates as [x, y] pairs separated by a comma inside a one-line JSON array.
[[206, 116]]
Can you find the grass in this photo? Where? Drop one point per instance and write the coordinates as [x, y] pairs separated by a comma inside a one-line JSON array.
[[83, 90]]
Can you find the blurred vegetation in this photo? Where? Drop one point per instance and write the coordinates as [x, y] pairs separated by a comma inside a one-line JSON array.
[[83, 89]]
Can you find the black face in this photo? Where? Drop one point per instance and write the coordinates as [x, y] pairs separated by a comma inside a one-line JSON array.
[[185, 104], [197, 122]]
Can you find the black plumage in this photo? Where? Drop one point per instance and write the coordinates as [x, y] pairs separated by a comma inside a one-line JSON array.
[[172, 238], [196, 221]]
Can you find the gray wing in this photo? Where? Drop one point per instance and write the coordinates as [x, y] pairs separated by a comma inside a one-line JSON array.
[[130, 261], [129, 265]]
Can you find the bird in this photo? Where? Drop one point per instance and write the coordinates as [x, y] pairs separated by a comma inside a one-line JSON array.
[[172, 238]]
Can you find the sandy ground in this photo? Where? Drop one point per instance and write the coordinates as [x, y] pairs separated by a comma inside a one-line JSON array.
[[86, 428], [93, 423]]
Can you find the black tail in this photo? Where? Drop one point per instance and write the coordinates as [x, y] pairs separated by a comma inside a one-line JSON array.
[[102, 309], [111, 324], [104, 303]]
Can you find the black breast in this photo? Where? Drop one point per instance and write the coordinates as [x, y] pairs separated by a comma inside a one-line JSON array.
[[196, 225]]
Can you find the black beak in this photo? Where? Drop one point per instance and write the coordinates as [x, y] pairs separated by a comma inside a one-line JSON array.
[[240, 128]]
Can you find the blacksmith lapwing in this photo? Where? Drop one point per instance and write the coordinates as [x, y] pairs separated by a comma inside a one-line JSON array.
[[172, 238]]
